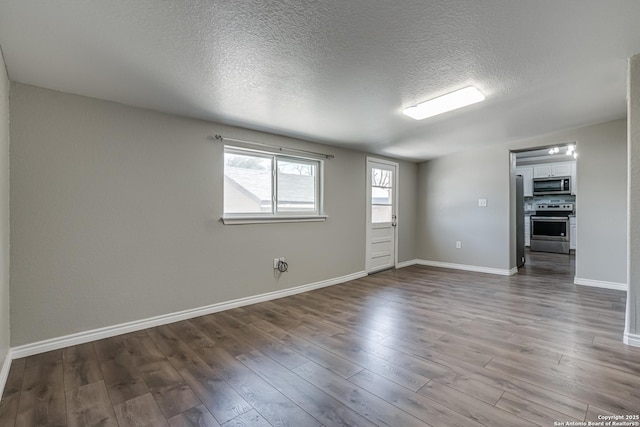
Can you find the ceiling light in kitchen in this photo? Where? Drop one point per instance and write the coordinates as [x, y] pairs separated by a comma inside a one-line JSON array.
[[571, 151], [451, 101]]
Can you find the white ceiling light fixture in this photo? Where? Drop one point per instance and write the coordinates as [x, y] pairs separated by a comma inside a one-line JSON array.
[[451, 101]]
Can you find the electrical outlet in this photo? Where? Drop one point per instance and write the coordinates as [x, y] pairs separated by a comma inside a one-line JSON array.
[[482, 203], [282, 259], [275, 262], [458, 244]]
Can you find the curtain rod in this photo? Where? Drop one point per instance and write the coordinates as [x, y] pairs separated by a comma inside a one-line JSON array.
[[283, 149]]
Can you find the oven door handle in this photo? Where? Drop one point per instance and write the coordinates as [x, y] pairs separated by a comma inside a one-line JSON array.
[[550, 218]]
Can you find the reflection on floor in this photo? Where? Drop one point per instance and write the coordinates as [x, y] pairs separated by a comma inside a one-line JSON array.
[[558, 266]]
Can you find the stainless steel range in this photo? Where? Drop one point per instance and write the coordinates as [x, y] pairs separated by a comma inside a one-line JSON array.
[[550, 227]]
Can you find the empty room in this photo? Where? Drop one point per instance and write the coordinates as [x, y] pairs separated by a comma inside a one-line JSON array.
[[320, 213]]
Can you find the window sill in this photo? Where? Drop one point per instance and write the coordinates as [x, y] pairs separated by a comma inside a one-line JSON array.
[[236, 220]]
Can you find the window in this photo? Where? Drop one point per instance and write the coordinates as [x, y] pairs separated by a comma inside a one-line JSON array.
[[263, 187], [381, 195]]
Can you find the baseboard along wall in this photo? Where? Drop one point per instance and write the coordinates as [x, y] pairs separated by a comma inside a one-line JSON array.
[[631, 339], [124, 328], [600, 284], [465, 267]]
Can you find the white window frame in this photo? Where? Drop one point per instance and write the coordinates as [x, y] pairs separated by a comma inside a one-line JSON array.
[[275, 216]]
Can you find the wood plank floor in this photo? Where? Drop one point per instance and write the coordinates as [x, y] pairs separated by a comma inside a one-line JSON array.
[[417, 346]]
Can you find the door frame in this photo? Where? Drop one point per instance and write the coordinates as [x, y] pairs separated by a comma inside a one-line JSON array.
[[396, 183]]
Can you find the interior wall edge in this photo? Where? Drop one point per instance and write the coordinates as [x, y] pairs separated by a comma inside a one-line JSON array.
[[632, 314], [5, 260], [4, 371]]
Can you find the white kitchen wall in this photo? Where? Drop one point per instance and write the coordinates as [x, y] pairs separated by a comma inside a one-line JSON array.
[[115, 217]]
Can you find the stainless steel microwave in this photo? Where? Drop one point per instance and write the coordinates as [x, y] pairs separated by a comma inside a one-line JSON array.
[[552, 185]]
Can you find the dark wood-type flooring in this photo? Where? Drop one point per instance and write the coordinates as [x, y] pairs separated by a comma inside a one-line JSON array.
[[410, 347]]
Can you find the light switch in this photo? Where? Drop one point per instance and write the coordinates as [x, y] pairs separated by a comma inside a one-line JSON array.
[[482, 203]]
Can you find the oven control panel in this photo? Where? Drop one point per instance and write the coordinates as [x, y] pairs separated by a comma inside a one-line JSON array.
[[554, 207]]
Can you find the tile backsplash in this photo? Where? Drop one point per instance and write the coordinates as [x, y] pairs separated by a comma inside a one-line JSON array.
[[530, 202]]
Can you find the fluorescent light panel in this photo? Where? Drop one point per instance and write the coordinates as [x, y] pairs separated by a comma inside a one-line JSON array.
[[451, 101]]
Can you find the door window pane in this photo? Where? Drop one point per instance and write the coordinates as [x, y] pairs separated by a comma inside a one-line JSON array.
[[381, 213], [381, 178], [381, 195]]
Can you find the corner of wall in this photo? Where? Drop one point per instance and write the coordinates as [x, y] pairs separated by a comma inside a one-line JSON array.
[[5, 351], [632, 317]]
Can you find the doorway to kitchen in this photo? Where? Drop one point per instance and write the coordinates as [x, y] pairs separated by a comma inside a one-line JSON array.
[[545, 209]]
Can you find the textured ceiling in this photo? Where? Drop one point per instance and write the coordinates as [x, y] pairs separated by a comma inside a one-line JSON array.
[[335, 71]]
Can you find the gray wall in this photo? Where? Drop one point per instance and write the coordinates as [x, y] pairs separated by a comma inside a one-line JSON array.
[[633, 106], [115, 217], [4, 211], [448, 191], [449, 188], [407, 208]]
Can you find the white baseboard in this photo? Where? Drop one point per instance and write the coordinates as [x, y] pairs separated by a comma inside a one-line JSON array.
[[465, 267], [631, 339], [4, 371], [409, 263], [123, 328], [600, 284]]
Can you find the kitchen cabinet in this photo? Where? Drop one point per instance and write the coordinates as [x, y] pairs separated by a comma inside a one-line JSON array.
[[574, 181], [527, 230], [552, 169], [561, 169], [573, 228], [542, 171], [527, 179]]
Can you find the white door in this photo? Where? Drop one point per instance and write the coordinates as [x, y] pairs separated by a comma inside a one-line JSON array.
[[382, 200]]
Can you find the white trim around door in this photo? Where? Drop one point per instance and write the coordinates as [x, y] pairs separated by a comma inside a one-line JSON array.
[[381, 232]]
